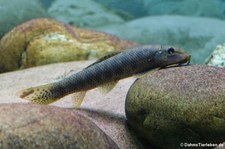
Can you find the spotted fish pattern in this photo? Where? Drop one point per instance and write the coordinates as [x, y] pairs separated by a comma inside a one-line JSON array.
[[108, 69]]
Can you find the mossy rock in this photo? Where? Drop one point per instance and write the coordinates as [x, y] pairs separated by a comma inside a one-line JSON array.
[[45, 41], [179, 105]]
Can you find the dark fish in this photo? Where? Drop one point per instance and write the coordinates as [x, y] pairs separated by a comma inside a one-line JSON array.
[[107, 71]]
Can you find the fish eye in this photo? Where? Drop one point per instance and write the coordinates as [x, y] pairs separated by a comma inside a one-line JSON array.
[[171, 50]]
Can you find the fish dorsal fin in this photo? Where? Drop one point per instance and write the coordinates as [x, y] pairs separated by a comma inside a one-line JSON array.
[[78, 98], [148, 72], [105, 88], [108, 55]]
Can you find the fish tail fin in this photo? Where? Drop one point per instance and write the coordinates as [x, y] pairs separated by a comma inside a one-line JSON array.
[[78, 98], [40, 94]]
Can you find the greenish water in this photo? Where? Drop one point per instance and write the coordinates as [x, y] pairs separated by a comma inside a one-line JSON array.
[[142, 21]]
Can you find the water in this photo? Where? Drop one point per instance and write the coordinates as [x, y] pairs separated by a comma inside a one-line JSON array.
[[143, 21]]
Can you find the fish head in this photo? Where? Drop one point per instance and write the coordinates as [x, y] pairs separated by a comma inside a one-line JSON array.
[[170, 56]]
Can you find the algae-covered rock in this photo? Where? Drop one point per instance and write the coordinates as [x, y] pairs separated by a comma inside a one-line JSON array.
[[179, 105], [44, 41], [217, 57], [33, 126], [14, 12]]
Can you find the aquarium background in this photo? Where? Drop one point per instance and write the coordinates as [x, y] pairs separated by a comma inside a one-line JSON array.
[[195, 25], [167, 108]]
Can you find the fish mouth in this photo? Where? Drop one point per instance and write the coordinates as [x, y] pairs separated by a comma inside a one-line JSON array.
[[178, 59]]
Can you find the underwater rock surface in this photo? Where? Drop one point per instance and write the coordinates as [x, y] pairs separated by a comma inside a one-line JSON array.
[[106, 111], [180, 104], [130, 8], [181, 31], [14, 12], [44, 41], [208, 8], [217, 57], [34, 126], [85, 13]]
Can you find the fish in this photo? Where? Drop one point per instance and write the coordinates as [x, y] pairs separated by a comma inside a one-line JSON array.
[[106, 72]]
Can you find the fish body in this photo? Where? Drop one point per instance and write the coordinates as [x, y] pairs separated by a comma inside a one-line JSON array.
[[122, 65]]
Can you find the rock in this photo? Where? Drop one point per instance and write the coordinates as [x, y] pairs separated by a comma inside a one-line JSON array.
[[34, 126], [106, 111], [45, 41], [217, 57], [126, 9], [115, 127], [180, 31], [212, 9], [14, 12], [85, 13], [47, 3], [179, 105]]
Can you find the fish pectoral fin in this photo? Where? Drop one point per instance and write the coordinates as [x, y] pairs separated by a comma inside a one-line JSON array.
[[106, 88], [145, 73], [78, 98], [108, 55]]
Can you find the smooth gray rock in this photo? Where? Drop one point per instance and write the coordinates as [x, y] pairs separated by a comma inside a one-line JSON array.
[[85, 13], [14, 12], [198, 36], [47, 3], [179, 105], [127, 8], [206, 8]]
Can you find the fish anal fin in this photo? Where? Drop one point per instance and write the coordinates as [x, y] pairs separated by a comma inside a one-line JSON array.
[[78, 98], [105, 88], [106, 56], [143, 74]]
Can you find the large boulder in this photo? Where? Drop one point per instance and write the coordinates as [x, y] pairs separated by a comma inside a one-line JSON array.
[[106, 111], [185, 32], [14, 12], [33, 126], [44, 41], [85, 13], [179, 105]]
